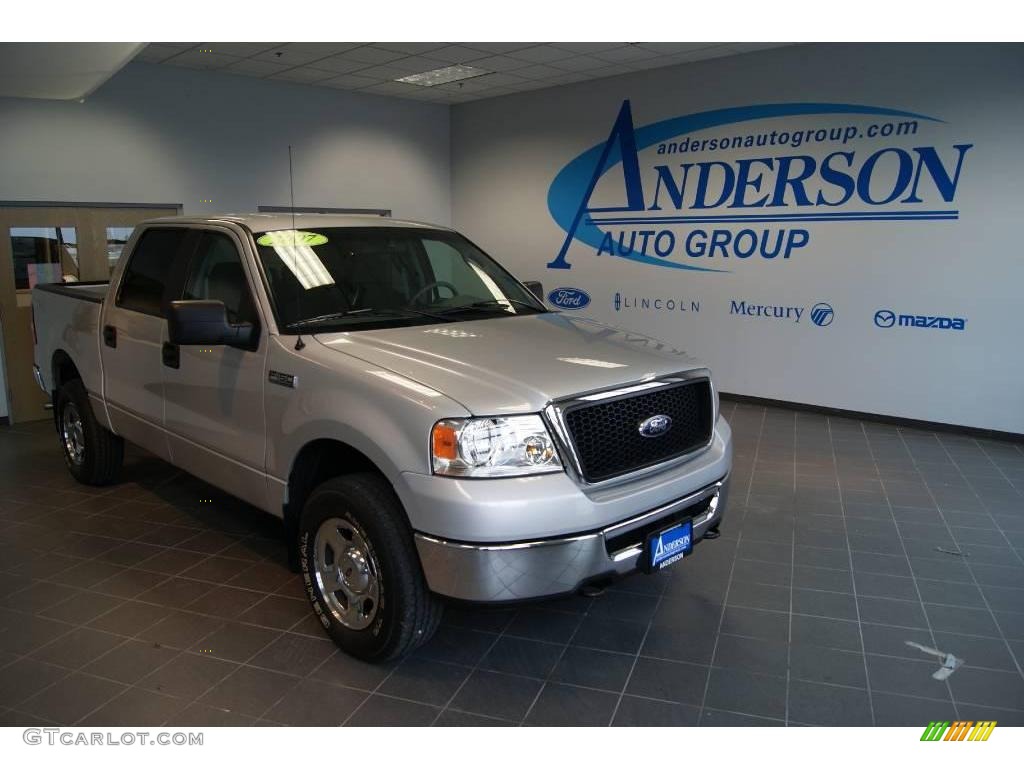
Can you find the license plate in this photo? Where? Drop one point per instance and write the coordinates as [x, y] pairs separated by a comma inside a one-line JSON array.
[[669, 546]]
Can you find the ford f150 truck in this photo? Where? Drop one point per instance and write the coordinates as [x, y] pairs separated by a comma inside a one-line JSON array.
[[423, 425]]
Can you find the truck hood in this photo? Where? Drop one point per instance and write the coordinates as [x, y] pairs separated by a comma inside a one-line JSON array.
[[513, 364]]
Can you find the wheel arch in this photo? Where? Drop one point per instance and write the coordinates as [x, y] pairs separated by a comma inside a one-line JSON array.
[[317, 461]]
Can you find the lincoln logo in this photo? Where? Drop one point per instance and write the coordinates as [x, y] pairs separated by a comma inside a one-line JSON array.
[[655, 426]]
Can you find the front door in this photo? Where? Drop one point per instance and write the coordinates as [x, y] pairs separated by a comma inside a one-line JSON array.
[[42, 243], [133, 333], [214, 395]]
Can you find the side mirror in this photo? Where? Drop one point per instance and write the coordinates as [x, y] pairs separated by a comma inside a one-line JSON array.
[[535, 288], [206, 322]]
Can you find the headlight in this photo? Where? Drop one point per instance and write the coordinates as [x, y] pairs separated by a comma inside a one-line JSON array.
[[499, 447]]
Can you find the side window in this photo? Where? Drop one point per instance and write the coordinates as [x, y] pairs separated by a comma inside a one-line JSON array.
[[217, 273], [145, 277]]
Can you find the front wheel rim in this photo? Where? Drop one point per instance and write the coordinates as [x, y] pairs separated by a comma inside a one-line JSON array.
[[347, 573], [72, 434]]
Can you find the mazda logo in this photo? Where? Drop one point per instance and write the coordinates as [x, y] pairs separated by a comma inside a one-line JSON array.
[[885, 318], [655, 426]]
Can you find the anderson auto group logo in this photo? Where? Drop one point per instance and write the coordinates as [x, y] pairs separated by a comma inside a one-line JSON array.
[[709, 190]]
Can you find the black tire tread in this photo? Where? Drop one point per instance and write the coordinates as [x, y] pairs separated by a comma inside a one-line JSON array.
[[423, 610], [104, 449]]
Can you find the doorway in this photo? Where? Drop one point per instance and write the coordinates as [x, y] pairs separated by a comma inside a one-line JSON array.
[[49, 242]]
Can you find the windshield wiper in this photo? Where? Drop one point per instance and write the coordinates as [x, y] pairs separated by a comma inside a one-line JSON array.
[[492, 303], [366, 311]]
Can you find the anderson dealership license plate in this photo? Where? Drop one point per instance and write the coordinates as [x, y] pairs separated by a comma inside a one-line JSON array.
[[669, 546]]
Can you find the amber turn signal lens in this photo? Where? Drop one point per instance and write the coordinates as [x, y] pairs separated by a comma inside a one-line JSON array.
[[444, 443]]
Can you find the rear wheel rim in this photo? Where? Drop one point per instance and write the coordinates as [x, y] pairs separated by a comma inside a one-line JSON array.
[[347, 573], [72, 434]]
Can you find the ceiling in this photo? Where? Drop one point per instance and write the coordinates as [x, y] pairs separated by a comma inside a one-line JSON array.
[[60, 70], [374, 67]]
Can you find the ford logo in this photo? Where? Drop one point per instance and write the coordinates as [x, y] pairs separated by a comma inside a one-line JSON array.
[[655, 426], [569, 298]]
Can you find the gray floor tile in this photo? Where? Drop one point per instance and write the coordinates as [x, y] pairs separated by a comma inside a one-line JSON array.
[[816, 704], [987, 687], [668, 680], [385, 711], [906, 677], [593, 669], [568, 705], [747, 693], [425, 681], [497, 695], [634, 711]]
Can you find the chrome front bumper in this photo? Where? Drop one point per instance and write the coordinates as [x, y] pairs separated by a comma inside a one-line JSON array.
[[531, 569]]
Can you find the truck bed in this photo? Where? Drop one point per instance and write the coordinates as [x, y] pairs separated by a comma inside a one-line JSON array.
[[67, 317], [94, 291]]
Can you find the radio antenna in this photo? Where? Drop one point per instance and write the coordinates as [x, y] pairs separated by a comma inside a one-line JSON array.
[[299, 343]]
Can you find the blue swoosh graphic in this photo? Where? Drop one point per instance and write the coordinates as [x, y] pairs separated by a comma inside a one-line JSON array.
[[570, 185]]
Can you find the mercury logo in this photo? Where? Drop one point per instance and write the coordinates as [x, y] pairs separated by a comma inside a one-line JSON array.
[[822, 314]]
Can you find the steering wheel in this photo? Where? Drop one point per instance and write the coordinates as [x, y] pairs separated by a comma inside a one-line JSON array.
[[435, 284]]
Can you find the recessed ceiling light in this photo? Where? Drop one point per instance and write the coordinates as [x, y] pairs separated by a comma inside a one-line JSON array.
[[443, 75]]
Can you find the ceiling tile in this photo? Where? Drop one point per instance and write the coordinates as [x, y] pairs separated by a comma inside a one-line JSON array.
[[393, 89], [498, 79], [542, 54], [456, 54], [340, 64], [497, 47], [369, 54], [256, 68], [580, 64], [386, 72], [303, 75], [196, 60], [500, 63], [538, 71], [239, 49], [667, 49], [587, 47], [349, 82], [297, 54], [410, 48], [414, 65], [625, 54]]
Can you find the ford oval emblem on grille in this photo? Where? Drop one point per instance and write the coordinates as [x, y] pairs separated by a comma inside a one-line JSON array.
[[655, 426]]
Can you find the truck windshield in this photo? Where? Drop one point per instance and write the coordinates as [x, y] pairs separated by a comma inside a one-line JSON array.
[[346, 277]]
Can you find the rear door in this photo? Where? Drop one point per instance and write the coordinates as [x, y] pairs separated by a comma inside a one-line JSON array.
[[133, 332], [213, 396]]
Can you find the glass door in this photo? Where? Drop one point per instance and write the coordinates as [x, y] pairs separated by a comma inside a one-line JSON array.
[[48, 243]]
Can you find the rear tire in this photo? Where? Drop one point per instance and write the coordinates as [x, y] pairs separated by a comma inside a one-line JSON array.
[[361, 569], [92, 452]]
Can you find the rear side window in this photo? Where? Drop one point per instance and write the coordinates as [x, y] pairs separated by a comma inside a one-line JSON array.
[[145, 277]]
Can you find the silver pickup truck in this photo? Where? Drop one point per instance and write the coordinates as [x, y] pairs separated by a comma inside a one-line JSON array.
[[419, 420]]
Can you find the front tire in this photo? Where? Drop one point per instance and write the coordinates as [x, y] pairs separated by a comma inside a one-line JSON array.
[[92, 452], [361, 569]]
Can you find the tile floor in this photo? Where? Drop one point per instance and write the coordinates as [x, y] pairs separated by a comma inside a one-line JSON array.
[[160, 601]]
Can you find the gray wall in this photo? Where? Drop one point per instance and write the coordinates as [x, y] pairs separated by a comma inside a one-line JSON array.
[[508, 151], [168, 135]]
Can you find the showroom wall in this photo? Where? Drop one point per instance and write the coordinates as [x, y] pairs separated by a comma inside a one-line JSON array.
[[831, 225], [160, 134]]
